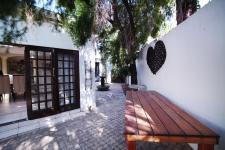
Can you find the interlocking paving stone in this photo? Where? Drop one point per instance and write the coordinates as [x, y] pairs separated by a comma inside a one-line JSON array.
[[99, 130]]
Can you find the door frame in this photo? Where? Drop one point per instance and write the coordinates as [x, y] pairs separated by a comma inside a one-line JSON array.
[[76, 79], [55, 96]]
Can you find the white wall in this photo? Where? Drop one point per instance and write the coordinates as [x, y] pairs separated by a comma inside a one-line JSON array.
[[193, 75], [87, 53], [45, 35], [104, 69]]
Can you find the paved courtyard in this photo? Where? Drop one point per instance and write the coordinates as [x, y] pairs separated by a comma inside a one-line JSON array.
[[99, 130]]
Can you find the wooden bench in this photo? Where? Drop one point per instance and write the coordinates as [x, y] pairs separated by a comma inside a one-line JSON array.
[[151, 117]]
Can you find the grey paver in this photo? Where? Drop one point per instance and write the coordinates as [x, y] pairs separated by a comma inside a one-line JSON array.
[[99, 130]]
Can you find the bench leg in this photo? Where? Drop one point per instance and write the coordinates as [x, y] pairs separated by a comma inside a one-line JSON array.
[[205, 147], [131, 145]]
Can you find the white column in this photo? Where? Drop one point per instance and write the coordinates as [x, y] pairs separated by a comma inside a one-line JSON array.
[[109, 71], [101, 69], [4, 64]]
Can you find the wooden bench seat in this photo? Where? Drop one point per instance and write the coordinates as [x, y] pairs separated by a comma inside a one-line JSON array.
[[151, 117]]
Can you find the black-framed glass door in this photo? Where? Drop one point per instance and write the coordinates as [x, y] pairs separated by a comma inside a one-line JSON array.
[[52, 81], [67, 72]]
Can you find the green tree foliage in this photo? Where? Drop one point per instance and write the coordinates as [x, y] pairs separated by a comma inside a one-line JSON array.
[[13, 12], [127, 25], [122, 25], [77, 17]]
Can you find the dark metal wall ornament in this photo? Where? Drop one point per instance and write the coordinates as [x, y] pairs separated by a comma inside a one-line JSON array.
[[156, 56]]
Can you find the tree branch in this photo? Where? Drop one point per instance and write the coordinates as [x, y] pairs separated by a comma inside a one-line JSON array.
[[130, 15]]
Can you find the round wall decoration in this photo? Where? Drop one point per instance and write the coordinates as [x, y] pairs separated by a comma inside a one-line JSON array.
[[156, 56]]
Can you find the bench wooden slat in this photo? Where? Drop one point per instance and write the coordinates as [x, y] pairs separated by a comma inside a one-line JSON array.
[[170, 125], [194, 122], [183, 124], [176, 139], [144, 127], [156, 124], [130, 116]]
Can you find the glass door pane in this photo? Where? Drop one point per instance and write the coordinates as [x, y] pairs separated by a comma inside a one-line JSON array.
[[39, 81], [67, 85]]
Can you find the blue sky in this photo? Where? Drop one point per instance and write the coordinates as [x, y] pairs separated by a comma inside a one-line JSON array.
[[40, 3]]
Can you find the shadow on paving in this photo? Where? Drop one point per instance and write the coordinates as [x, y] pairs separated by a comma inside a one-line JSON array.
[[100, 130]]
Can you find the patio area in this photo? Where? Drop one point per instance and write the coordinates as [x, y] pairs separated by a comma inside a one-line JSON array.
[[102, 129]]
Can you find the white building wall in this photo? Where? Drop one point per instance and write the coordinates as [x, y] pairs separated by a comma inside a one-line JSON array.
[[46, 36], [87, 53], [104, 69], [193, 76]]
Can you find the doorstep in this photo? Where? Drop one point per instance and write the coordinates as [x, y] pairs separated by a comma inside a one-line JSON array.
[[17, 128]]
